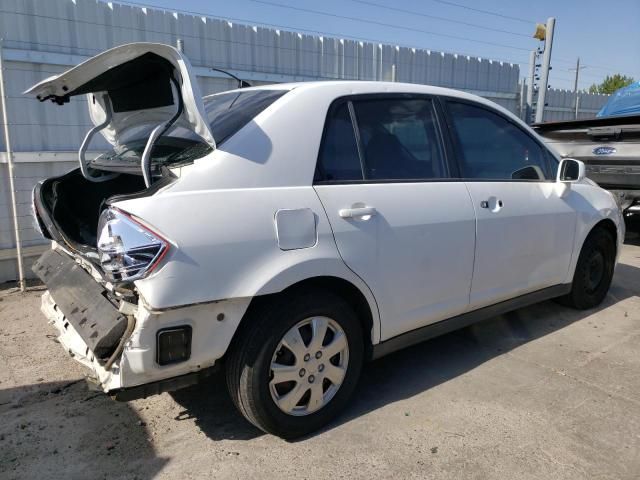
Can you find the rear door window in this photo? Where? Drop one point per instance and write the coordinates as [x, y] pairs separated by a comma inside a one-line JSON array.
[[399, 139], [381, 139], [338, 159]]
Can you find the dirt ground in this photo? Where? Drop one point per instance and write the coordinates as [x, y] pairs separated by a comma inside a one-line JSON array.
[[543, 392]]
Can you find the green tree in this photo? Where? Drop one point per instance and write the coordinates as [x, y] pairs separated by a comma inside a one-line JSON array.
[[611, 83]]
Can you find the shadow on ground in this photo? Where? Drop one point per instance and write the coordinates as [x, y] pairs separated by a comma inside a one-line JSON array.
[[210, 406], [416, 369], [63, 430]]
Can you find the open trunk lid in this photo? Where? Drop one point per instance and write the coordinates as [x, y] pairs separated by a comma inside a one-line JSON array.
[[131, 89]]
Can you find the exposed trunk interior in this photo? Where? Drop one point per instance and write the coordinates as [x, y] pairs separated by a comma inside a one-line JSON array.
[[72, 205]]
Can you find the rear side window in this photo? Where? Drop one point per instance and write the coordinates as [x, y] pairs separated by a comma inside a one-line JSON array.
[[493, 148], [338, 159], [229, 112], [399, 139]]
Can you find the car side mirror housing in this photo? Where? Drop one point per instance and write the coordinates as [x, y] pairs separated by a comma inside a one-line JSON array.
[[571, 171]]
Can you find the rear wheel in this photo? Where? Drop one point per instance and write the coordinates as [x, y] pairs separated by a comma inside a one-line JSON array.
[[594, 271], [296, 363]]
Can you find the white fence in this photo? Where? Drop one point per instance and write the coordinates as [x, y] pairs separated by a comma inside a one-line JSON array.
[[42, 38]]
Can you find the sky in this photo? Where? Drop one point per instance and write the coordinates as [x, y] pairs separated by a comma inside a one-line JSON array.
[[605, 35]]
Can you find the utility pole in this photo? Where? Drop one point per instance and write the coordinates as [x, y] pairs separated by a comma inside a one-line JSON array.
[[575, 84], [546, 67]]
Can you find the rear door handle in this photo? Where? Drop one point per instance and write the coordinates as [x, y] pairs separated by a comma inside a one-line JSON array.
[[357, 212], [485, 204]]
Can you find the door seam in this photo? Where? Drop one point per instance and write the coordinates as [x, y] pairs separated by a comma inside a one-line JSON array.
[[475, 245]]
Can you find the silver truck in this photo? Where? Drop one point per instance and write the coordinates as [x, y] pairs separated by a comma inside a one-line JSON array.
[[610, 149]]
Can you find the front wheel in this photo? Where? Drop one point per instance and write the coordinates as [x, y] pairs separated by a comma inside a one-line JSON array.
[[594, 271], [296, 363]]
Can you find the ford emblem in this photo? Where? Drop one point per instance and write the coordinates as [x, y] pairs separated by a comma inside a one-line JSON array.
[[604, 150]]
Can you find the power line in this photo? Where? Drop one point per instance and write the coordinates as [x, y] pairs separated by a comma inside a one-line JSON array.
[[486, 12], [389, 25], [291, 29], [590, 65], [444, 19]]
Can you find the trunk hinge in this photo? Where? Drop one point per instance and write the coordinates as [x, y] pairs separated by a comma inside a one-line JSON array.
[[84, 166], [145, 162]]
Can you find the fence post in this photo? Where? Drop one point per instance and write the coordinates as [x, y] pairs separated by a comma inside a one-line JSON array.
[[10, 173]]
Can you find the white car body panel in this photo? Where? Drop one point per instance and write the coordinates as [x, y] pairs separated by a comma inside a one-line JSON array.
[[430, 253], [268, 166], [137, 365], [593, 205], [523, 245], [405, 252]]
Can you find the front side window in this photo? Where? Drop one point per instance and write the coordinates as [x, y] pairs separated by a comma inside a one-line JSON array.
[[399, 139], [493, 148]]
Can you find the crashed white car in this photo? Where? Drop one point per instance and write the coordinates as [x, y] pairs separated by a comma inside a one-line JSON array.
[[289, 233]]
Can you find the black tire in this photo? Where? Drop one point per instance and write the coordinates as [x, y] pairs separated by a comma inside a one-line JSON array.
[[594, 271], [248, 364]]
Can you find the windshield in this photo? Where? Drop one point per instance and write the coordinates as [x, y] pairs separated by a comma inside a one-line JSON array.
[[227, 113]]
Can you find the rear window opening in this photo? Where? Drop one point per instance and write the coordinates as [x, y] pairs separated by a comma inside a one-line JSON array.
[[226, 113]]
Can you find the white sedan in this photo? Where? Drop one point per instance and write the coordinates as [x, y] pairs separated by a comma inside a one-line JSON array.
[[289, 233]]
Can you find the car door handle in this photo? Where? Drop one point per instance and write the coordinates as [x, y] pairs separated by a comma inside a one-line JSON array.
[[485, 204], [357, 212]]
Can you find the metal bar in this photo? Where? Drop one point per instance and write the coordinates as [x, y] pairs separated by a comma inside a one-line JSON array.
[[84, 165], [46, 157], [32, 251], [530, 91], [522, 107], [12, 187]]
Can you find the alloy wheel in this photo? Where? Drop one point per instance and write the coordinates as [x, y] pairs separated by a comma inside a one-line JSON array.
[[308, 366]]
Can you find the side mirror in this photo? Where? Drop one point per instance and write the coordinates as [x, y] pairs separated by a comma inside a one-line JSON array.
[[571, 171]]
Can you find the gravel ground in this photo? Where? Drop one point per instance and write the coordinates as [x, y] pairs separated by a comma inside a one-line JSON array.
[[543, 392]]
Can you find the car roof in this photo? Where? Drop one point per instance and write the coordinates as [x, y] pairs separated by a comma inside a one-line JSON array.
[[340, 88], [362, 86]]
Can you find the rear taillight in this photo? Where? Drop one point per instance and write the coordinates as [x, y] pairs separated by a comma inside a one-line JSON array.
[[128, 250]]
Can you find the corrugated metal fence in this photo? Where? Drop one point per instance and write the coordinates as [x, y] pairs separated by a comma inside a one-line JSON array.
[[561, 104], [42, 38]]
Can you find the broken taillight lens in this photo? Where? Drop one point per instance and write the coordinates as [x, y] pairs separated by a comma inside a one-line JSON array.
[[127, 249]]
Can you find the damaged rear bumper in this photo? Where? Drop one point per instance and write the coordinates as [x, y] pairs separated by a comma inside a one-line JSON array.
[[92, 327], [77, 348], [87, 305]]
